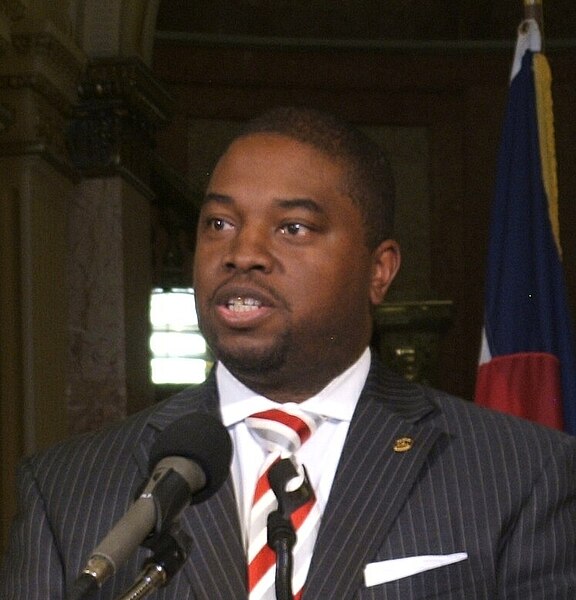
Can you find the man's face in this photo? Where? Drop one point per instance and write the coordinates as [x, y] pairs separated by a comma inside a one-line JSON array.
[[283, 279]]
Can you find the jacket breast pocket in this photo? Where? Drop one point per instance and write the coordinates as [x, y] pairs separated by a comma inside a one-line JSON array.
[[451, 582]]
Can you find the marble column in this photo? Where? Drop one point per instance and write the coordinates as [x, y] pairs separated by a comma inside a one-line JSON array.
[[110, 139]]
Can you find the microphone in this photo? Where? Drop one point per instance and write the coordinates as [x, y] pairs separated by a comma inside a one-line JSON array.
[[189, 462]]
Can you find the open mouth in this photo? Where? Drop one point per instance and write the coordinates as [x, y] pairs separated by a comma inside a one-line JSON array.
[[241, 304]]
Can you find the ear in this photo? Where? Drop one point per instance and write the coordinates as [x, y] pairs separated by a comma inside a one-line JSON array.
[[385, 265]]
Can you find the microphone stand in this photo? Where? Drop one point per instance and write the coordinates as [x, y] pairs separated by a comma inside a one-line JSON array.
[[280, 530], [171, 549]]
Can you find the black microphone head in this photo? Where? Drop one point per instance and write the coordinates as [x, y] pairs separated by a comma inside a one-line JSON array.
[[203, 439]]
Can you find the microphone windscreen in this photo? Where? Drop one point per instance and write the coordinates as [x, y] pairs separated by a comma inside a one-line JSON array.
[[202, 438]]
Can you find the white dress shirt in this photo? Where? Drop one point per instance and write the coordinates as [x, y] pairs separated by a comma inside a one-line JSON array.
[[320, 454]]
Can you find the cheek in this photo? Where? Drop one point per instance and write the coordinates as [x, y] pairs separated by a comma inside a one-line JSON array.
[[335, 288], [202, 266]]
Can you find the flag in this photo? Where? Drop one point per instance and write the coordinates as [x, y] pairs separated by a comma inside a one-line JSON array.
[[527, 362]]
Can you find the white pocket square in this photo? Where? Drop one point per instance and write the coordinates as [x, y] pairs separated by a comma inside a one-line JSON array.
[[391, 570]]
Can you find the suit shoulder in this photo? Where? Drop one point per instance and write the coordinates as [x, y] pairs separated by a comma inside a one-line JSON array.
[[457, 415], [123, 435]]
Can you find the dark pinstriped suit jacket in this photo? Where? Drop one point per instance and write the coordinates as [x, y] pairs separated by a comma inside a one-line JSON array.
[[500, 489]]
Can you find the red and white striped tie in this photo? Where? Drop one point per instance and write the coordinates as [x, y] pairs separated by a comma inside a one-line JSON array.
[[281, 433]]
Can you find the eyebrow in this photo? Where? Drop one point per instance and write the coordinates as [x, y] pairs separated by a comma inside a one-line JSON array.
[[286, 203], [305, 203], [220, 198]]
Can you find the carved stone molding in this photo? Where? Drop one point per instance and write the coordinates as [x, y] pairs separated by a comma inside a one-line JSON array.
[[130, 80], [55, 53], [38, 87], [38, 124], [113, 126]]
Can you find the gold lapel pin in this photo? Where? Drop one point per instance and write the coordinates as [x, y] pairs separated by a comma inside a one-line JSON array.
[[403, 444]]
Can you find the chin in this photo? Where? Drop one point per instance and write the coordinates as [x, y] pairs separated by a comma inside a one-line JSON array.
[[253, 360]]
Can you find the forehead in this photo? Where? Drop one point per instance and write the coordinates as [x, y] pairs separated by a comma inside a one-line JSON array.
[[269, 156]]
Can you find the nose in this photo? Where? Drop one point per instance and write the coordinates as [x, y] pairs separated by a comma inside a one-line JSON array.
[[249, 250]]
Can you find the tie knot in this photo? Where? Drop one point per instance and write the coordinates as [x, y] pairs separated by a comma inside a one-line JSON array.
[[278, 430]]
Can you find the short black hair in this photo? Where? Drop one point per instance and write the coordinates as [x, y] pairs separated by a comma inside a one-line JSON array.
[[369, 181]]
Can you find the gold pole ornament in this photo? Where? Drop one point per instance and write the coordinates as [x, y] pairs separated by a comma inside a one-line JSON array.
[[533, 10]]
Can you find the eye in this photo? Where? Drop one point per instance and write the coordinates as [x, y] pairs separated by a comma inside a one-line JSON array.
[[294, 229], [218, 224]]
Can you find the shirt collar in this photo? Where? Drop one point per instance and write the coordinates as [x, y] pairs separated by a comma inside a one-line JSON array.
[[336, 401]]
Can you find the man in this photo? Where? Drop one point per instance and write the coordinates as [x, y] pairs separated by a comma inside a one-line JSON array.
[[422, 496]]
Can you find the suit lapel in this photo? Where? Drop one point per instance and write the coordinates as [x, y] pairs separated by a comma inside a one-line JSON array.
[[373, 480]]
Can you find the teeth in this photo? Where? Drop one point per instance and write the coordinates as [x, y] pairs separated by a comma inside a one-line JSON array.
[[243, 304]]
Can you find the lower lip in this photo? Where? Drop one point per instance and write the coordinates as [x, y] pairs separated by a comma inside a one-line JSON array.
[[243, 318]]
